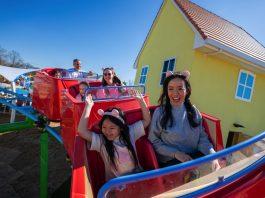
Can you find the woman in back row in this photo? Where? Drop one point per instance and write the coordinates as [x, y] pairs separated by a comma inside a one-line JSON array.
[[110, 79]]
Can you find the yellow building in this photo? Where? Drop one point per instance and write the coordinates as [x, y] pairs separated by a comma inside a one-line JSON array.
[[227, 64]]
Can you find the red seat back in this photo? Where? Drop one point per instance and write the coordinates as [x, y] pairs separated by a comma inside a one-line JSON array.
[[96, 170], [144, 148], [74, 90], [212, 127], [95, 83]]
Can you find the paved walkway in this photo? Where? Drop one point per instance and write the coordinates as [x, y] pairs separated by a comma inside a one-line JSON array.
[[19, 164]]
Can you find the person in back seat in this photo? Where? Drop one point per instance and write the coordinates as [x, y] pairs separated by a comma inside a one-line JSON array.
[[58, 74], [82, 91], [76, 71], [176, 130], [116, 143], [110, 79]]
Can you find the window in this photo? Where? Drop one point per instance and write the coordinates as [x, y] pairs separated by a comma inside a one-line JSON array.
[[168, 66], [143, 75], [245, 85]]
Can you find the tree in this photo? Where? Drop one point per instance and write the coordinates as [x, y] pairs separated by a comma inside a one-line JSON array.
[[3, 56], [15, 59]]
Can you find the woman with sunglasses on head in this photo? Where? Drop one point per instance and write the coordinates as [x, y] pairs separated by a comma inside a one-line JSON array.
[[176, 130], [110, 79]]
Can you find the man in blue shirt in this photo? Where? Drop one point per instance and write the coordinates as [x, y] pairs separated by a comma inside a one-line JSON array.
[[76, 72]]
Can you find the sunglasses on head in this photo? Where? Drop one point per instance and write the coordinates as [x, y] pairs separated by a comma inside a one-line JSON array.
[[107, 74]]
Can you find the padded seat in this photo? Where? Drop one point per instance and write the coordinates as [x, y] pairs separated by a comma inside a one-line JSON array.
[[74, 90]]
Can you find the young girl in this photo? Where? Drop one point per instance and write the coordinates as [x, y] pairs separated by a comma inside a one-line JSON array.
[[116, 144], [58, 74], [176, 130], [82, 90]]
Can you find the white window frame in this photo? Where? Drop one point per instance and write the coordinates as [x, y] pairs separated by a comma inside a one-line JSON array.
[[168, 59], [238, 83], [143, 67]]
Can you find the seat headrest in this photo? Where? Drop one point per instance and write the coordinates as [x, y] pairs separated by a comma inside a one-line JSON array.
[[74, 90]]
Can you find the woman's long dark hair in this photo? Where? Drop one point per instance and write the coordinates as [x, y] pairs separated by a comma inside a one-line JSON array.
[[164, 102], [116, 80], [124, 137]]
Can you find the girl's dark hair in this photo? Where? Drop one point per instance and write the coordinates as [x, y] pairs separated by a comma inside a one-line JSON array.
[[164, 102], [124, 136], [116, 80], [84, 83]]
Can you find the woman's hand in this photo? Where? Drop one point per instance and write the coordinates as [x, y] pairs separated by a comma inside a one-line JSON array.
[[145, 111], [89, 101], [183, 157], [215, 165], [136, 94]]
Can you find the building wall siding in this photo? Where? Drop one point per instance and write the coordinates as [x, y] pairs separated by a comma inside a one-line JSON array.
[[213, 79]]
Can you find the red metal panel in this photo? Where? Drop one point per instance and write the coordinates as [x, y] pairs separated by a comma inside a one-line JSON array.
[[46, 95], [79, 183]]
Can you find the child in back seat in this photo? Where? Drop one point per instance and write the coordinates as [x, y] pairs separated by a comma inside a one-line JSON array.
[[116, 143], [82, 91], [58, 74]]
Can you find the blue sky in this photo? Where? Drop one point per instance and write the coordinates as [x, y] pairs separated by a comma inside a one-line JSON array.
[[100, 33]]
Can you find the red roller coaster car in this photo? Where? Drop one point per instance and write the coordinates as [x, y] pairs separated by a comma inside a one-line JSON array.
[[47, 91]]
